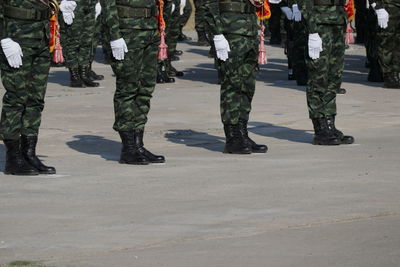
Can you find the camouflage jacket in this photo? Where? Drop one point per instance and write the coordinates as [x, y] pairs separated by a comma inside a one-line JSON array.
[[116, 23], [222, 21], [322, 14], [381, 3], [14, 25]]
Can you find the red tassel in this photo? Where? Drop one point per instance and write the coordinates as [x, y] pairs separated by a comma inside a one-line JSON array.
[[58, 54], [162, 48], [262, 54], [349, 34]]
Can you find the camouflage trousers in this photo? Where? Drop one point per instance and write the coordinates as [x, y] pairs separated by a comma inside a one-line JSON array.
[[200, 13], [389, 39], [300, 49], [77, 39], [325, 73], [136, 79], [173, 29], [23, 101], [238, 74]]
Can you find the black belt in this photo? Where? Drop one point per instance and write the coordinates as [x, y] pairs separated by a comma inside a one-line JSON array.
[[136, 12], [236, 7], [26, 14], [329, 2]]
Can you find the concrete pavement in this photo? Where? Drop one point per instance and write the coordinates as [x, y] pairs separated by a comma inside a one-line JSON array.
[[298, 205]]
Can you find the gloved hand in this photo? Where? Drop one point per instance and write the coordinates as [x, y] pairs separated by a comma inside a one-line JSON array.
[[67, 8], [222, 47], [119, 48], [383, 17], [288, 12], [98, 10], [13, 52], [182, 7], [172, 8], [296, 13], [274, 1], [314, 45]]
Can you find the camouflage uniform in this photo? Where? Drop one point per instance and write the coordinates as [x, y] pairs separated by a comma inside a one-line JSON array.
[[371, 45], [388, 40], [200, 21], [325, 73], [77, 38], [26, 22], [238, 72], [25, 87], [135, 21]]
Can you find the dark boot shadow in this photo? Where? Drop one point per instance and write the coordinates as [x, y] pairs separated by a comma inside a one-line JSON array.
[[280, 132], [196, 139], [96, 145]]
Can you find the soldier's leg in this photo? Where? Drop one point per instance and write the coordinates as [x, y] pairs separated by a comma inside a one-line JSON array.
[[388, 42], [300, 53], [187, 11], [336, 62], [200, 23], [96, 41], [16, 84], [371, 45]]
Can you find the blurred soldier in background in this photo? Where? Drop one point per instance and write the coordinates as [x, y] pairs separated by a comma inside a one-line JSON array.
[[388, 15], [77, 34]]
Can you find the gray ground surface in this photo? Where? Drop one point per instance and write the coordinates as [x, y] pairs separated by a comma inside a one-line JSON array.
[[298, 205]]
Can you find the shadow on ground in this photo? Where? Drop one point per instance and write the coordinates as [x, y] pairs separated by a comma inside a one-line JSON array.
[[96, 145]]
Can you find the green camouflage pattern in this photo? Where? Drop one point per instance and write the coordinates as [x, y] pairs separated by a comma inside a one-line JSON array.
[[383, 3], [187, 11], [325, 73], [314, 15], [77, 38], [136, 74], [200, 15], [238, 78], [19, 30], [172, 21], [389, 39], [23, 101]]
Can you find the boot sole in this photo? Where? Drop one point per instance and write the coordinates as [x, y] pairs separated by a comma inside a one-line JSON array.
[[237, 152], [21, 174], [134, 163], [325, 143]]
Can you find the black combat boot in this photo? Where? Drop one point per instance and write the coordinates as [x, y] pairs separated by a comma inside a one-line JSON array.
[[28, 148], [235, 142], [84, 73], [324, 133], [375, 72], [202, 39], [162, 75], [131, 153], [182, 37], [178, 52], [15, 161], [150, 156], [75, 78], [172, 72], [291, 75], [255, 148], [341, 91], [344, 139], [391, 80], [93, 75]]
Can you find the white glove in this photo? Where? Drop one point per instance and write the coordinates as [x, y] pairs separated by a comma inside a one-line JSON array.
[[67, 8], [172, 8], [182, 7], [296, 13], [314, 45], [383, 17], [119, 48], [288, 12], [13, 52], [98, 10], [221, 46], [274, 1]]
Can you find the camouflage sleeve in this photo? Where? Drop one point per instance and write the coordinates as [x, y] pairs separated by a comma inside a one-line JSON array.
[[309, 17], [379, 3], [212, 17], [111, 19]]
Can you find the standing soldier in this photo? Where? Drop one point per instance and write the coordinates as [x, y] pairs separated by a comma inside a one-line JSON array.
[[25, 64], [132, 27], [326, 25], [235, 29], [388, 13], [77, 35]]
